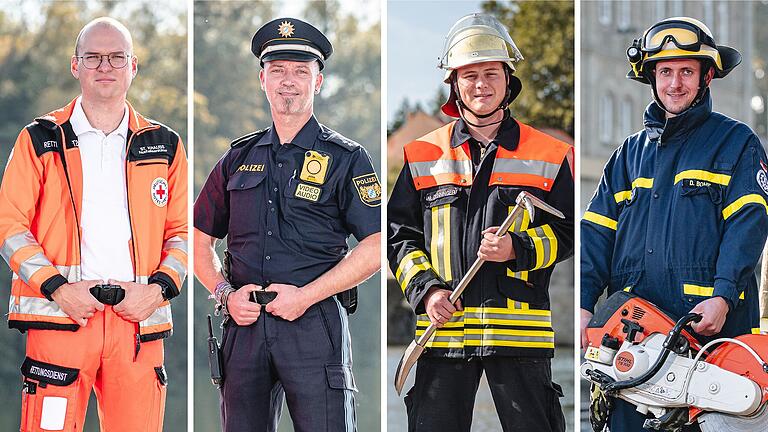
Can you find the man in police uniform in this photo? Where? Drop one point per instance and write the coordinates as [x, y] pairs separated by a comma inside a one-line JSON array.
[[288, 197], [679, 217], [457, 183]]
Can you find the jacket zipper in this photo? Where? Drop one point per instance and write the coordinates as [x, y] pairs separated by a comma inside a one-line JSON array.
[[137, 345], [63, 150]]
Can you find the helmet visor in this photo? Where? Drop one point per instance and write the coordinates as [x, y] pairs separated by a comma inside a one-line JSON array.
[[482, 29], [684, 35]]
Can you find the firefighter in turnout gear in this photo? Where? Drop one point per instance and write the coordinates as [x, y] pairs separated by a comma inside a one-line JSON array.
[[679, 216], [458, 184], [94, 193]]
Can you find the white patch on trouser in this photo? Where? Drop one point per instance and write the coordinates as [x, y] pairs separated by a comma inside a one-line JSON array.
[[54, 413]]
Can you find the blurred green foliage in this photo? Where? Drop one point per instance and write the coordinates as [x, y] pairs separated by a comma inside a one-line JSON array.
[[36, 42], [229, 103]]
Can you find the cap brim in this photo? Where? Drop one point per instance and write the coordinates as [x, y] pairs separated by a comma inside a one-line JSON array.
[[291, 56]]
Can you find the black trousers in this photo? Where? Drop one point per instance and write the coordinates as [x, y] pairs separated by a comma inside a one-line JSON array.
[[307, 362], [443, 396]]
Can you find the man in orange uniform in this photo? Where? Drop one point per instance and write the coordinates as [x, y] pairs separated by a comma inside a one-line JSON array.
[[95, 194]]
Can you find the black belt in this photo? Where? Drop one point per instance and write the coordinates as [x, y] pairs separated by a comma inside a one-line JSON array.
[[108, 294]]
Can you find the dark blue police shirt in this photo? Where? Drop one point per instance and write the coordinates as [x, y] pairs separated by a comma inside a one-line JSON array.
[[285, 221]]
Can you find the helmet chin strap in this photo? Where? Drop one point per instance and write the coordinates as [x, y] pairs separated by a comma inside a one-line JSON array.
[[503, 106], [705, 67]]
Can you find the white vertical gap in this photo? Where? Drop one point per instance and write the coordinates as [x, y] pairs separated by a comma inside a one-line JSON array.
[[385, 194], [577, 215], [190, 242]]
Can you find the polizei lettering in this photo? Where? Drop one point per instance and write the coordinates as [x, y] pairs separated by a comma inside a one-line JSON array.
[[48, 373], [251, 167]]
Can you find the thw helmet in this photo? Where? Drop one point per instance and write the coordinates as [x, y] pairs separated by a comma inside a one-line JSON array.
[[478, 38], [679, 38]]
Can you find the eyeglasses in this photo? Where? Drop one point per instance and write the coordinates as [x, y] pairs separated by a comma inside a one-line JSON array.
[[117, 60]]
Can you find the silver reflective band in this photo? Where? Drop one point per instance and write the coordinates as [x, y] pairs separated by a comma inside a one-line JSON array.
[[175, 243], [31, 265], [16, 242], [35, 306], [444, 166], [292, 47], [171, 262], [161, 315], [522, 166]]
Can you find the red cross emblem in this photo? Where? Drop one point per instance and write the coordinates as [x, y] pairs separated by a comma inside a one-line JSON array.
[[159, 192]]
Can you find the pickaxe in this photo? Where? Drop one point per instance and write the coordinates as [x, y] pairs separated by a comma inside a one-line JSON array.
[[524, 202]]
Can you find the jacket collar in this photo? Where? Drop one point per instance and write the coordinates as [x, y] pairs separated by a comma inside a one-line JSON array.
[[508, 135], [304, 139], [656, 124], [136, 121]]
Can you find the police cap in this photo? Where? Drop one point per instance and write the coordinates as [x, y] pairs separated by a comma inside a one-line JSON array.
[[290, 39]]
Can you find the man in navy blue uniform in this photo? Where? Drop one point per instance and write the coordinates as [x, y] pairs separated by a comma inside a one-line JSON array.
[[288, 197], [679, 217]]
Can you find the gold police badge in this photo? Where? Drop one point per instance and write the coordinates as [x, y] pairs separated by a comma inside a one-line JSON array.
[[369, 189], [315, 167], [286, 29]]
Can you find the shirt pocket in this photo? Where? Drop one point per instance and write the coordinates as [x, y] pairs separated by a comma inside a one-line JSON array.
[[244, 190]]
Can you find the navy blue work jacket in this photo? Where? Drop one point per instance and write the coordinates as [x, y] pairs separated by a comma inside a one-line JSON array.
[[288, 209], [680, 216]]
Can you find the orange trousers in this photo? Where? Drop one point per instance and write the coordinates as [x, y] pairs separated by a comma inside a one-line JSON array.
[[62, 368]]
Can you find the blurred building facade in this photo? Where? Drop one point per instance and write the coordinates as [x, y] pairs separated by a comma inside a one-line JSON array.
[[612, 106]]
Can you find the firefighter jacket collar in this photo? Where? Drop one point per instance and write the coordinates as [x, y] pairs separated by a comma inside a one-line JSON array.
[[507, 136], [136, 121], [304, 139], [657, 125]]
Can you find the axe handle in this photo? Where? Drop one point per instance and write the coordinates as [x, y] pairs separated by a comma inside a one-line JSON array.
[[516, 213]]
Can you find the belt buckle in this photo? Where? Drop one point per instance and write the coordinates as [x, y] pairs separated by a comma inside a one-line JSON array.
[[262, 296]]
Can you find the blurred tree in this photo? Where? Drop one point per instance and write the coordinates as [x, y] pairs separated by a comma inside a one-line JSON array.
[[547, 73], [36, 43]]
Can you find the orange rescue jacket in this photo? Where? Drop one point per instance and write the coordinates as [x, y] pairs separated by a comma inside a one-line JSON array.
[[40, 208]]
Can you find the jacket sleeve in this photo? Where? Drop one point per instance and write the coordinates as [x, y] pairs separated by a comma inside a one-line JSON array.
[[551, 241], [173, 262], [405, 243], [19, 194], [745, 218], [598, 232]]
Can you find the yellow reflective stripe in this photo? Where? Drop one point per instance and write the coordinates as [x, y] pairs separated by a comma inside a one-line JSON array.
[[705, 291], [741, 296], [721, 179], [447, 242], [628, 289], [454, 344], [640, 182], [516, 305], [510, 322], [741, 202], [600, 220], [506, 343], [510, 332], [498, 310], [434, 241], [442, 332], [412, 272], [407, 260], [523, 225], [755, 330], [411, 267], [552, 244], [538, 246]]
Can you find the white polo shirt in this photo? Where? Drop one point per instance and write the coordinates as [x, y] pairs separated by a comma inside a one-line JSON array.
[[106, 229]]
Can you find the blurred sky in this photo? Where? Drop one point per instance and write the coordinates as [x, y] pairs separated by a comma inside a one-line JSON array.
[[415, 34]]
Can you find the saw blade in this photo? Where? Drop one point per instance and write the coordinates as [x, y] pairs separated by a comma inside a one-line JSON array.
[[718, 422]]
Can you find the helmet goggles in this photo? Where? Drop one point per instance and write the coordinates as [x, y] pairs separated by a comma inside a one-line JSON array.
[[683, 34]]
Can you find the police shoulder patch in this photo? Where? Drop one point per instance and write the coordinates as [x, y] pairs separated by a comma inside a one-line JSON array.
[[369, 189], [762, 179]]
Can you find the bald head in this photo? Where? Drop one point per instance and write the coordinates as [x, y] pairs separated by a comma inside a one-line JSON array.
[[103, 22]]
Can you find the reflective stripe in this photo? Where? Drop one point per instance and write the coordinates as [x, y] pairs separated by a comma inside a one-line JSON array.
[[600, 220], [175, 242], [697, 290], [440, 241], [410, 265], [545, 245], [35, 306], [72, 273], [16, 242], [31, 265], [525, 166], [756, 330], [442, 166], [741, 296], [627, 289], [722, 179], [346, 359], [640, 182], [171, 262], [517, 226], [142, 279], [741, 202], [161, 315]]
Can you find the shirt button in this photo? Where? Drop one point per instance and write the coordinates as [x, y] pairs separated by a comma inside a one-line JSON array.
[[655, 195], [268, 257], [269, 233], [650, 251], [272, 209], [274, 190], [269, 201], [242, 185], [280, 165]]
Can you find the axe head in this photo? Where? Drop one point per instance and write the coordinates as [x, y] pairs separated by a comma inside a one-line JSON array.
[[530, 202]]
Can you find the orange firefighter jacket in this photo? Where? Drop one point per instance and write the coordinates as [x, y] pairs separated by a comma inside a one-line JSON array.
[[40, 208]]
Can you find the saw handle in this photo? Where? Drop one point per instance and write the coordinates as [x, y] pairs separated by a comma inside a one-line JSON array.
[[669, 343]]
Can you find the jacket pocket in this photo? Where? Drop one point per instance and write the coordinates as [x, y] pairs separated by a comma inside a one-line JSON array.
[[522, 291], [157, 409]]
